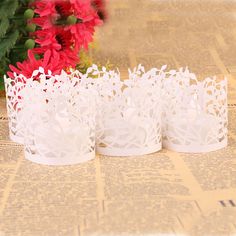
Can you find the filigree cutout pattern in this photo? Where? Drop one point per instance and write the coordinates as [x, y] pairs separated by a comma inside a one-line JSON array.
[[195, 114], [13, 89], [59, 117], [129, 114]]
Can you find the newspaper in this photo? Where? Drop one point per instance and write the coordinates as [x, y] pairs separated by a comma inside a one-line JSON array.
[[165, 193]]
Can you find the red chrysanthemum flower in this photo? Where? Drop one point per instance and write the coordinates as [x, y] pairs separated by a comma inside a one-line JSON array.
[[50, 12], [63, 8], [27, 67], [88, 18], [55, 13], [100, 7], [65, 27], [47, 13], [58, 42]]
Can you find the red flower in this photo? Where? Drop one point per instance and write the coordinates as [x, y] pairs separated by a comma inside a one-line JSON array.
[[44, 22], [45, 8], [63, 8], [47, 13], [55, 13], [27, 67], [58, 42], [50, 11], [88, 17], [47, 40], [100, 7], [65, 27], [82, 33]]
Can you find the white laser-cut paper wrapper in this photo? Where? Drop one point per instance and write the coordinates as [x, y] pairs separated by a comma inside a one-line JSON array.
[[60, 121], [14, 98], [129, 114], [195, 115]]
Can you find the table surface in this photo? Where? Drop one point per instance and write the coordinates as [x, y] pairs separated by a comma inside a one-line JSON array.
[[162, 193]]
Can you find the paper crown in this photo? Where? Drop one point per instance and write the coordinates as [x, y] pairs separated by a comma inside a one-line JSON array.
[[129, 114], [13, 89], [194, 112], [60, 118]]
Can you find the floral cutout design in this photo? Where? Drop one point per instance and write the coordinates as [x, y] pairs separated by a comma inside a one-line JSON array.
[[129, 114], [14, 89], [58, 117], [195, 114]]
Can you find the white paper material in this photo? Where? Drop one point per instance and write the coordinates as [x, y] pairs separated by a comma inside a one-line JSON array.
[[13, 89], [132, 116], [129, 112], [59, 117], [195, 115]]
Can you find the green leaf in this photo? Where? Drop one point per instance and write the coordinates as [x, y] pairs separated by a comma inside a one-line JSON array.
[[8, 8], [4, 24], [4, 62], [17, 55], [25, 2], [2, 87], [7, 44]]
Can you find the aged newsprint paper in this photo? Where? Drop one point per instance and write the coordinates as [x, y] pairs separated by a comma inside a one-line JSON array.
[[165, 193]]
